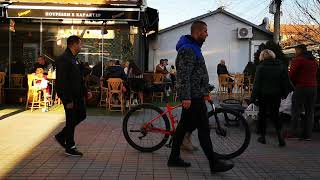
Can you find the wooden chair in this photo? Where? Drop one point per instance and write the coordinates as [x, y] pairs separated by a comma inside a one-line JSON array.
[[17, 80], [239, 86], [57, 100], [248, 88], [115, 87], [34, 93], [225, 87], [103, 95], [2, 81], [158, 80]]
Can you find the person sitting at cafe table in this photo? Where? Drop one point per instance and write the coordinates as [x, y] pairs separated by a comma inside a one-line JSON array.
[[161, 68], [173, 73], [115, 70], [41, 82], [222, 70], [135, 80], [41, 64]]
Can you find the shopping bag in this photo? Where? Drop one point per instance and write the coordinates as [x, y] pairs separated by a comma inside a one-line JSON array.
[[251, 112], [285, 105]]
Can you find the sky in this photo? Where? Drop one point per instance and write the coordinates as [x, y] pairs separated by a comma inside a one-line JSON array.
[[172, 12]]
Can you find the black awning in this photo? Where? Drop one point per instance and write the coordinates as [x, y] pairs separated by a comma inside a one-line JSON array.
[[49, 11], [151, 20]]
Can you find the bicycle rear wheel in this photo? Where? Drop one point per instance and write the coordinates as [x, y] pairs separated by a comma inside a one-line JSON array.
[[233, 138], [147, 139]]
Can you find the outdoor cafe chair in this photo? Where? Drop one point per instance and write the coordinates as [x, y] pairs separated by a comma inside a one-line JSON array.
[[17, 80], [158, 80], [116, 95], [225, 86], [2, 81]]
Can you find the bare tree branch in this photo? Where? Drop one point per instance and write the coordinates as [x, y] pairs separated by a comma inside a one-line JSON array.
[[306, 23]]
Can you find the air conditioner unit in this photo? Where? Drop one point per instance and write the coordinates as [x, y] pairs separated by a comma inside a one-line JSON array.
[[245, 33]]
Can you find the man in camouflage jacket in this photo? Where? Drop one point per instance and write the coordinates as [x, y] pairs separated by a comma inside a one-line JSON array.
[[192, 88]]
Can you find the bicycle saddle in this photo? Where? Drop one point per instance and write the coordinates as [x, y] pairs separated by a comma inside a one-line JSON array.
[[235, 107]]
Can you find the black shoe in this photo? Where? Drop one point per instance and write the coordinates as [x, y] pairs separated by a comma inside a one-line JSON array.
[[262, 140], [282, 143], [281, 140], [73, 152], [220, 166], [305, 139], [60, 140], [178, 163]]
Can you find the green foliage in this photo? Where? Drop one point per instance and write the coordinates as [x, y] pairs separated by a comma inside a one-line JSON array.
[[276, 48], [120, 47]]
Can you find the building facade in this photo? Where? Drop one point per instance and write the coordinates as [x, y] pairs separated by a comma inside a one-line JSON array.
[[230, 38], [111, 30]]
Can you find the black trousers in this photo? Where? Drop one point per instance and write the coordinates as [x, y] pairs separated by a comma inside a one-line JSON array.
[[73, 118], [269, 106], [196, 117], [303, 99]]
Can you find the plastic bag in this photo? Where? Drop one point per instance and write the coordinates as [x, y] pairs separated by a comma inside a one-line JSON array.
[[251, 112], [285, 105]]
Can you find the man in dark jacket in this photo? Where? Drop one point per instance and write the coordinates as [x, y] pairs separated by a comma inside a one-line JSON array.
[[303, 74], [193, 90], [115, 71], [222, 68], [71, 89]]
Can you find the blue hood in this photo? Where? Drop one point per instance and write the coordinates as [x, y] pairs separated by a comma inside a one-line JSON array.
[[188, 42]]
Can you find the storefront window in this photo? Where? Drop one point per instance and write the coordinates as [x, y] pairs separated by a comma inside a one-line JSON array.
[[25, 46], [31, 38], [4, 48], [114, 44]]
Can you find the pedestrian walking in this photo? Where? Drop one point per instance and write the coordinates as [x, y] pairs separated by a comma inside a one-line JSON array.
[[71, 89], [193, 91], [303, 74], [270, 86]]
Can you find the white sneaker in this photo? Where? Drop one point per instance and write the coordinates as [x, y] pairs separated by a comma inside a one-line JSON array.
[[187, 143]]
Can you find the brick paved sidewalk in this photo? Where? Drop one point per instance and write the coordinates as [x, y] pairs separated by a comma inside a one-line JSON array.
[[28, 151]]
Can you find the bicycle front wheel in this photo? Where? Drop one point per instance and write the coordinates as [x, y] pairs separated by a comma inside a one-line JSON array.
[[142, 137], [230, 133]]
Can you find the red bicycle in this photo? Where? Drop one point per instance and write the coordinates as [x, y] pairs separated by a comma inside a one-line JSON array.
[[147, 128]]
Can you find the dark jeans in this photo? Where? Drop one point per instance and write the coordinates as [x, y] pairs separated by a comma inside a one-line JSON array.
[[73, 118], [303, 98], [269, 106], [196, 117]]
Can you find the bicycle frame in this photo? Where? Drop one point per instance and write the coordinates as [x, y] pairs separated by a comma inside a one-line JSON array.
[[168, 110]]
